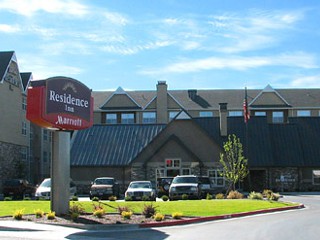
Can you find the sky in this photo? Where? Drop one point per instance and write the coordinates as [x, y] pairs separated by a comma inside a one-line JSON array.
[[190, 44]]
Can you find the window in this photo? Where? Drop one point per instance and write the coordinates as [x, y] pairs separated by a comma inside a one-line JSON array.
[[205, 114], [24, 103], [235, 113], [185, 171], [149, 117], [277, 117], [127, 118], [24, 129], [303, 113], [260, 114], [173, 167], [215, 177], [45, 134], [160, 172], [111, 118], [24, 153], [316, 177], [172, 115]]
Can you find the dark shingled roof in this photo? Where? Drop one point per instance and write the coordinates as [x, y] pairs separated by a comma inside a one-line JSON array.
[[111, 145], [25, 77], [210, 99], [295, 144], [5, 58]]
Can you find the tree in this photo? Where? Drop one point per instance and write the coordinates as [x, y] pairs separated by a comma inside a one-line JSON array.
[[233, 162]]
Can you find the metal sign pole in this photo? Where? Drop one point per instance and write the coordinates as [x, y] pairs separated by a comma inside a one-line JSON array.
[[60, 173]]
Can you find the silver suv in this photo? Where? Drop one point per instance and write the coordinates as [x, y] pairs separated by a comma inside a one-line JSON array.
[[185, 185]]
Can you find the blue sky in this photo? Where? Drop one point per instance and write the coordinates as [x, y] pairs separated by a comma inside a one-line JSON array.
[[190, 44]]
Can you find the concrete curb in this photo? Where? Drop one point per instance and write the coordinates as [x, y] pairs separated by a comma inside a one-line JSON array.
[[213, 218]]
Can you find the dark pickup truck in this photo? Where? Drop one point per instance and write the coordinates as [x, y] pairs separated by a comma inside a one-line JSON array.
[[18, 188]]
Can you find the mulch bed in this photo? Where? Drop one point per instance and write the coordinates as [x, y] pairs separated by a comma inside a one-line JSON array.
[[107, 219]]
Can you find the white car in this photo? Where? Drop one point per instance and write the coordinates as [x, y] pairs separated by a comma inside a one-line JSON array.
[[44, 189], [140, 190]]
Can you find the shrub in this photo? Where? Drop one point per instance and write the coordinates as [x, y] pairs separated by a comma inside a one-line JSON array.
[[123, 209], [146, 198], [209, 196], [18, 214], [149, 210], [27, 198], [95, 199], [7, 199], [267, 193], [184, 197], [274, 197], [112, 198], [75, 210], [51, 215], [128, 198], [158, 217], [177, 215], [99, 213], [255, 195], [234, 195], [126, 215], [74, 198], [219, 196], [39, 213], [165, 198]]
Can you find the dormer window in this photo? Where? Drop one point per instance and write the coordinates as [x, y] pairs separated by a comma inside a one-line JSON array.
[[277, 117]]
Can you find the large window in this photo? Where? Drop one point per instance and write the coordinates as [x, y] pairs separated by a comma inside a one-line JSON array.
[[277, 117], [303, 113], [127, 118], [172, 115], [215, 177], [316, 177], [111, 118], [205, 114], [149, 117], [173, 167], [235, 113], [260, 114]]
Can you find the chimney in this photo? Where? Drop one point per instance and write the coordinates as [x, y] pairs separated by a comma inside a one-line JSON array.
[[162, 102], [192, 94], [223, 119]]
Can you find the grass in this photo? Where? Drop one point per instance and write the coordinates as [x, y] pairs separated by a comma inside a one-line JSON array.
[[187, 207]]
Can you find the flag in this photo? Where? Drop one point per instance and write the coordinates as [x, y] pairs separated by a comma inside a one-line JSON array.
[[246, 112]]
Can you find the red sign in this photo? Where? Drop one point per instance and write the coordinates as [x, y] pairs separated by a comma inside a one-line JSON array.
[[60, 103]]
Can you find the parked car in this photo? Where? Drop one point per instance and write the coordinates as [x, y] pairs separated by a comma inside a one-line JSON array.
[[163, 185], [205, 186], [104, 187], [44, 189], [139, 190], [186, 184], [18, 188]]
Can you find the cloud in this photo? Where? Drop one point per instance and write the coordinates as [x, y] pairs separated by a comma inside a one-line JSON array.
[[30, 7], [131, 50], [310, 81], [42, 68], [9, 28], [299, 59]]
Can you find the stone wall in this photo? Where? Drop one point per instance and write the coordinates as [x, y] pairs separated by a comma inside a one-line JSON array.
[[10, 162]]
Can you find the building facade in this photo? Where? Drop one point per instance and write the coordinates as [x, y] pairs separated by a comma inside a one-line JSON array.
[[195, 124], [21, 143]]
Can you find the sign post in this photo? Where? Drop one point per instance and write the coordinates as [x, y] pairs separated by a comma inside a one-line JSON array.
[[61, 104]]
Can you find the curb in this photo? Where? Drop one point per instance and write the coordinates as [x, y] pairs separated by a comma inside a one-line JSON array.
[[213, 218]]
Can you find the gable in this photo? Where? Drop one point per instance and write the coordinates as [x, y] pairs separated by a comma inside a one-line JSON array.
[[172, 103], [120, 101], [269, 99]]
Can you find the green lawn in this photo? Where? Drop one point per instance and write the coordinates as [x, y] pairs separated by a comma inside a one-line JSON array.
[[187, 207]]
